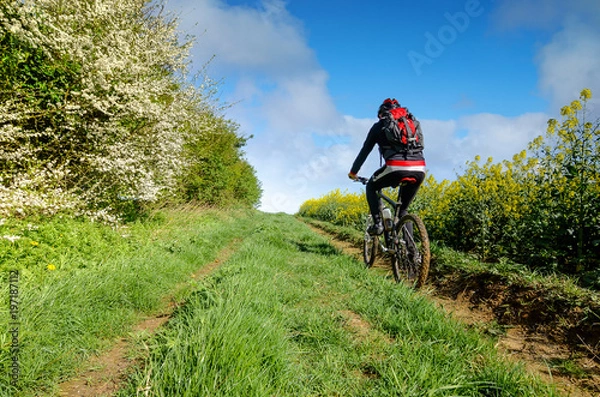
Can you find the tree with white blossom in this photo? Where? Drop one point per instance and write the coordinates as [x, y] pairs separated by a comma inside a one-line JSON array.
[[95, 106]]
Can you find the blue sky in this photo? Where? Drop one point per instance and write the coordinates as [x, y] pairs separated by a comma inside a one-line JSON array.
[[306, 78]]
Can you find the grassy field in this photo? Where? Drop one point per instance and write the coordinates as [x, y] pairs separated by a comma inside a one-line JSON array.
[[82, 284], [286, 314]]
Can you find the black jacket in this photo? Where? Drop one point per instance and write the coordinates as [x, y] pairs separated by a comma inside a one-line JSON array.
[[377, 136]]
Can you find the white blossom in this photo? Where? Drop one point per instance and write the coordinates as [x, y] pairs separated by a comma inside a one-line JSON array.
[[118, 131], [11, 238]]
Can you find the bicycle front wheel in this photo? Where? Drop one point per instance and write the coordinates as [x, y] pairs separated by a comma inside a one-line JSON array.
[[412, 252], [370, 245]]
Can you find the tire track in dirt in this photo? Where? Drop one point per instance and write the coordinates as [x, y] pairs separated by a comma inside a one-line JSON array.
[[105, 374], [535, 351]]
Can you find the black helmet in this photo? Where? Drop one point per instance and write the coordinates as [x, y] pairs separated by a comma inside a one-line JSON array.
[[387, 105]]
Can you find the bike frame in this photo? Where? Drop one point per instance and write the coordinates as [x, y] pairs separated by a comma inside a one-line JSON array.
[[395, 204]]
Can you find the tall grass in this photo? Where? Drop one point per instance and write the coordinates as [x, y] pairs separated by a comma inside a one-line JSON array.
[[290, 315], [83, 284]]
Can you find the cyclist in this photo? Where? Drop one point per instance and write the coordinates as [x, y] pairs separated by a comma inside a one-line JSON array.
[[400, 164]]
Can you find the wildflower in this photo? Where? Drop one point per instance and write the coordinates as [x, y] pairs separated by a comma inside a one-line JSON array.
[[51, 267], [12, 239], [552, 123], [34, 243], [586, 94], [566, 111]]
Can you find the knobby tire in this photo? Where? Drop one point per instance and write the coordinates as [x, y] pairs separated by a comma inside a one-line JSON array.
[[369, 246], [410, 268]]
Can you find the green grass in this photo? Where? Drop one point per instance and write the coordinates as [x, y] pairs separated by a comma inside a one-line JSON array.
[[105, 280], [286, 315], [289, 315]]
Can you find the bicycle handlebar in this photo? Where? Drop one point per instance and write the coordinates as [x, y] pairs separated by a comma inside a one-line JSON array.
[[364, 181], [361, 179]]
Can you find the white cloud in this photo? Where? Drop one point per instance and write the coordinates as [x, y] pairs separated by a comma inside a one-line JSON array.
[[301, 103], [298, 168], [510, 15], [570, 61], [450, 144], [268, 41]]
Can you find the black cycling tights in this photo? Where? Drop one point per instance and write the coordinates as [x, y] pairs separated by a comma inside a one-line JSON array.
[[386, 177]]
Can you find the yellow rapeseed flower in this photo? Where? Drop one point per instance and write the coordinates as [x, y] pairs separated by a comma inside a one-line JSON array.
[[586, 94], [51, 267], [34, 243], [566, 111]]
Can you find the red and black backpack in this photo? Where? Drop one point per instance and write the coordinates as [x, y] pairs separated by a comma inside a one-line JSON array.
[[401, 128]]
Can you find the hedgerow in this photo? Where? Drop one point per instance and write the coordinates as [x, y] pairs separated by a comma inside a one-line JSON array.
[[97, 113]]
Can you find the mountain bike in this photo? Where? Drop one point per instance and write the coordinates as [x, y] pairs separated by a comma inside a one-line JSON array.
[[404, 240]]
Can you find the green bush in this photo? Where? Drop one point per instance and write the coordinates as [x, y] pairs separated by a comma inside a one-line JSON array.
[[217, 173]]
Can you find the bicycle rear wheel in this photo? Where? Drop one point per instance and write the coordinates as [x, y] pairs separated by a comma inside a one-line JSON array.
[[412, 252], [370, 245]]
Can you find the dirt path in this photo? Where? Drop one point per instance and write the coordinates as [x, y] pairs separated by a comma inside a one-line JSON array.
[[536, 352], [105, 374]]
